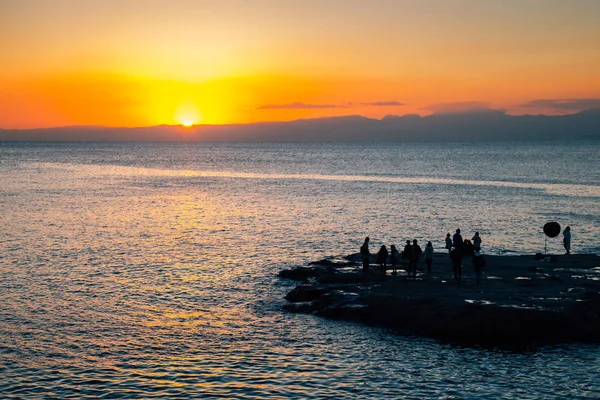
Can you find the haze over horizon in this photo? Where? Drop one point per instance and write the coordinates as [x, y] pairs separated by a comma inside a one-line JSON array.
[[483, 125], [146, 63]]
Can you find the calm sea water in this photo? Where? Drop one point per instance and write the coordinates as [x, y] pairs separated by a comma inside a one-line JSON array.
[[149, 270]]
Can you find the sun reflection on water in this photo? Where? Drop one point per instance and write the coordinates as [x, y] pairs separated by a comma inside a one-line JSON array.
[[162, 282]]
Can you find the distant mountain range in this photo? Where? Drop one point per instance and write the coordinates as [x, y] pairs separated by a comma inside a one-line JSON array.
[[486, 125]]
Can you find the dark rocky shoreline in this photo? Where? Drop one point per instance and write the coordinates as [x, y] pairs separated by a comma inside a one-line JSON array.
[[522, 302]]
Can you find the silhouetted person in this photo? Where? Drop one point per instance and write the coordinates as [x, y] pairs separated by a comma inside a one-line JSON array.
[[476, 242], [478, 264], [457, 240], [448, 243], [382, 256], [429, 256], [394, 259], [567, 239], [365, 254], [456, 258], [467, 248], [415, 255], [407, 255]]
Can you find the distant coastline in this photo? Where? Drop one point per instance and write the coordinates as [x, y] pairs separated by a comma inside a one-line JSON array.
[[487, 125]]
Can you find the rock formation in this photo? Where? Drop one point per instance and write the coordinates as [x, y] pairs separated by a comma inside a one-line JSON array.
[[522, 302]]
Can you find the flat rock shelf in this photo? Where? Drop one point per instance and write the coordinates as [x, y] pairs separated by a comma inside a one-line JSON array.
[[522, 302]]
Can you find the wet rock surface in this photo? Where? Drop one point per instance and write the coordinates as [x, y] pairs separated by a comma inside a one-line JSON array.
[[522, 301]]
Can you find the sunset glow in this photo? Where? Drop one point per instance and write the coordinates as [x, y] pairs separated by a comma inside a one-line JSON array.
[[188, 115], [141, 63]]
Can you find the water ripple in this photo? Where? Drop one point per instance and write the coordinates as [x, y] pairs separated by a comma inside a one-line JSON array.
[[142, 281]]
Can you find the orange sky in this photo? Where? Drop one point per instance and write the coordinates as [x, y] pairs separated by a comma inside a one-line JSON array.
[[149, 62]]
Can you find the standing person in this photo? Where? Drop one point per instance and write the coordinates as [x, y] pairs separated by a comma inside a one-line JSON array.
[[567, 240], [448, 243], [365, 254], [457, 240], [476, 242], [382, 256], [467, 248], [415, 255], [429, 256], [456, 258], [394, 258], [478, 264], [407, 255]]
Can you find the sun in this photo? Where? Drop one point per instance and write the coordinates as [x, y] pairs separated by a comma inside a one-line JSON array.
[[188, 115]]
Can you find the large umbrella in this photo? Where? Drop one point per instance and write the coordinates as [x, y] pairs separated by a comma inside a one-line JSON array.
[[551, 229]]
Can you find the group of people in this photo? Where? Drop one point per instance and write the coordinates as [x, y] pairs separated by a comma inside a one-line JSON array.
[[459, 249], [468, 247], [411, 255]]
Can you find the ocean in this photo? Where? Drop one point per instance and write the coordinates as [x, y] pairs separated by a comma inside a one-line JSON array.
[[149, 270]]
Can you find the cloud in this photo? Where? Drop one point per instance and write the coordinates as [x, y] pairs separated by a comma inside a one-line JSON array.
[[298, 106], [564, 104], [304, 106], [458, 107], [383, 103]]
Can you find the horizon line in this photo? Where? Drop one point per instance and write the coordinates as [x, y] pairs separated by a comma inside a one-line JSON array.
[[439, 113]]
